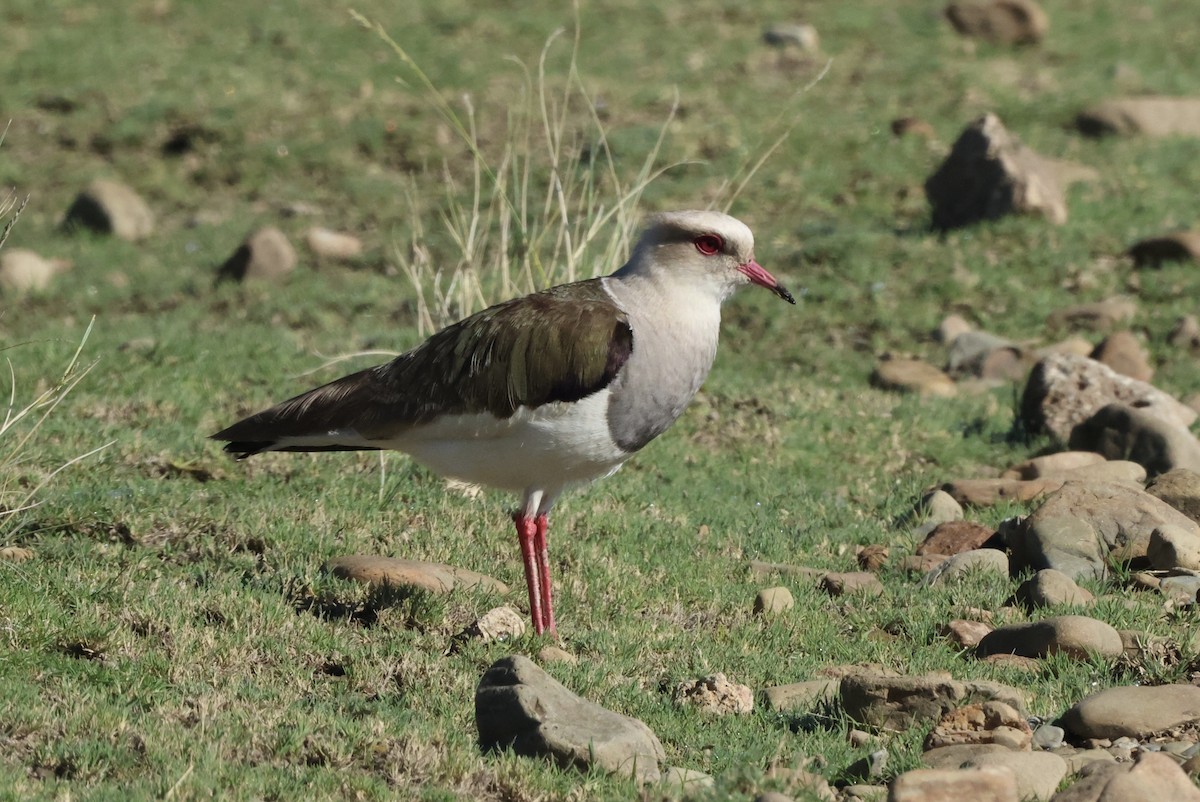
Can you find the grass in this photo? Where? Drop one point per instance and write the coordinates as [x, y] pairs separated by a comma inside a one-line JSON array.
[[174, 636]]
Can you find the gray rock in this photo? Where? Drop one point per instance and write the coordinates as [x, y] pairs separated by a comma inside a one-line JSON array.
[[986, 784], [990, 174], [1048, 737], [1049, 588], [1121, 432], [1038, 773], [265, 255], [1174, 547], [773, 601], [1150, 116], [1064, 390], [896, 703], [1179, 487], [1135, 711], [520, 706], [1076, 636], [1001, 22], [956, 756], [1155, 777], [940, 507], [801, 695], [1057, 464], [968, 562], [970, 350], [1079, 528], [111, 207]]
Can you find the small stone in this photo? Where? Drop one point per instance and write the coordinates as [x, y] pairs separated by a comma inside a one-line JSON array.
[[912, 376], [990, 174], [1000, 22], [872, 557], [1182, 246], [801, 695], [1038, 773], [332, 245], [989, 492], [519, 706], [1155, 777], [966, 634], [922, 563], [953, 537], [1150, 116], [865, 792], [955, 756], [497, 625], [1122, 352], [860, 738], [15, 554], [986, 784], [987, 356], [799, 35], [773, 601], [111, 207], [1048, 737], [1052, 465], [840, 584], [1048, 588], [968, 562], [1076, 636], [391, 571], [554, 654], [1094, 316], [685, 781], [265, 255], [715, 694], [939, 507], [1136, 711], [1186, 333], [23, 271]]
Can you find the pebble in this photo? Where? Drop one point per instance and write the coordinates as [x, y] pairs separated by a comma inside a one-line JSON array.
[[1048, 737], [332, 245], [772, 601], [913, 376], [715, 694]]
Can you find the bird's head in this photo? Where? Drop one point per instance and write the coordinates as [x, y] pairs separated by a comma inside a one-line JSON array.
[[703, 248]]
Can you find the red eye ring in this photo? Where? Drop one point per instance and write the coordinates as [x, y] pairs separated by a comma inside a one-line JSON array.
[[708, 244]]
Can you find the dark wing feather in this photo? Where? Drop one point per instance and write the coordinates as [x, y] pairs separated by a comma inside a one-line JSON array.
[[561, 344]]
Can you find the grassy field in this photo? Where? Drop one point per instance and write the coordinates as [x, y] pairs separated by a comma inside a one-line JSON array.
[[174, 636]]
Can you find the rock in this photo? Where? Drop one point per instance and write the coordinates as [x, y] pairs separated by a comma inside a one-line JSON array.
[[952, 325], [761, 569], [1053, 464], [1121, 432], [520, 706], [1000, 22], [265, 255], [23, 271], [987, 784], [1174, 547], [773, 796], [715, 694], [989, 492], [1030, 665], [1181, 589], [554, 654], [990, 174], [772, 601], [922, 563], [1076, 636], [1136, 711], [1038, 773], [955, 756], [395, 572], [332, 245], [685, 781], [986, 723], [1180, 488], [913, 126], [1119, 471], [1181, 246], [1048, 737], [1151, 116], [938, 507], [1049, 588], [1153, 778], [801, 695], [1122, 352], [897, 703], [864, 792], [1064, 391], [966, 634], [496, 625], [1186, 333], [968, 562], [864, 582], [953, 537], [798, 35], [15, 554], [1094, 316], [871, 767], [871, 557], [111, 207], [987, 356], [912, 376], [1072, 346]]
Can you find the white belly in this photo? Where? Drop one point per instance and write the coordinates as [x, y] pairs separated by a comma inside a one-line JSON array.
[[547, 448]]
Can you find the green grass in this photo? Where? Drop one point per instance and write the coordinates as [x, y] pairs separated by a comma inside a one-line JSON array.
[[174, 636]]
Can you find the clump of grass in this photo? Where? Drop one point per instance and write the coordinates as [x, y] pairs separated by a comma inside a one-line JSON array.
[[18, 432]]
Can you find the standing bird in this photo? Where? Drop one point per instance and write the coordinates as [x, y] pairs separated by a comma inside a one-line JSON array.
[[539, 393]]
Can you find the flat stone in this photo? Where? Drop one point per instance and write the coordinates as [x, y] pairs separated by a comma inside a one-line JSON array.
[[332, 245], [555, 654], [1064, 391], [1121, 432], [761, 569], [1179, 487], [953, 537], [1000, 22], [1091, 316], [897, 703], [968, 562], [973, 353], [1181, 246], [1076, 636], [497, 625], [857, 582], [966, 634], [519, 706], [773, 601], [265, 255], [715, 694], [986, 784], [23, 271], [912, 376], [1050, 588], [1038, 773], [801, 695], [1136, 711], [15, 554], [1053, 464], [990, 174], [922, 563], [1149, 116], [396, 572], [956, 756], [989, 492], [1122, 352], [111, 207]]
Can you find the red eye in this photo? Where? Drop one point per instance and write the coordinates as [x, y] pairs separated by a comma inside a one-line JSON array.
[[708, 244]]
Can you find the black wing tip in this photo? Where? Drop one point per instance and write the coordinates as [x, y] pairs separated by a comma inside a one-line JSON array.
[[242, 449]]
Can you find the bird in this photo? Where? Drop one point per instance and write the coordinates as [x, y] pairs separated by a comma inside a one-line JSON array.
[[544, 392]]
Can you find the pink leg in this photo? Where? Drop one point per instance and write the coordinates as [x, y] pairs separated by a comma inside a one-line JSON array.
[[526, 532], [542, 550]]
